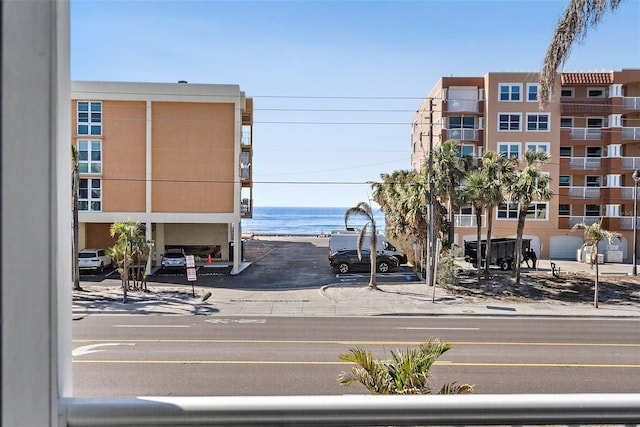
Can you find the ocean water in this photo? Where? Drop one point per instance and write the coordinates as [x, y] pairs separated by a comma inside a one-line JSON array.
[[303, 221]]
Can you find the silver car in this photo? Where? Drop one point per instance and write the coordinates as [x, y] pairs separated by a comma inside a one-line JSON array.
[[174, 259]]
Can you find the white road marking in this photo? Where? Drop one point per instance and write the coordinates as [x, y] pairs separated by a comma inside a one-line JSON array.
[[150, 326], [88, 349], [236, 321], [440, 329]]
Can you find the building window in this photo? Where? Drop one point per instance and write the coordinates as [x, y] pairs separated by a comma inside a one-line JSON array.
[[595, 92], [564, 210], [509, 122], [89, 118], [594, 151], [595, 122], [566, 122], [592, 210], [538, 122], [564, 181], [593, 181], [538, 147], [507, 210], [566, 92], [509, 150], [566, 152], [537, 210], [89, 156], [532, 92], [466, 150], [510, 92], [90, 195], [459, 122]]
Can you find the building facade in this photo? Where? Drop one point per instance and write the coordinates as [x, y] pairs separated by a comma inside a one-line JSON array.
[[590, 128], [176, 157]]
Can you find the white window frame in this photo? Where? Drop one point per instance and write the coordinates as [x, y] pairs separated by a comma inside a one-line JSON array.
[[537, 123], [566, 118], [529, 92], [89, 163], [535, 147], [599, 210], [510, 92], [560, 181], [570, 89], [597, 179], [589, 89], [508, 152], [537, 205], [473, 149], [509, 122], [570, 149], [562, 214], [92, 120], [510, 207], [91, 196]]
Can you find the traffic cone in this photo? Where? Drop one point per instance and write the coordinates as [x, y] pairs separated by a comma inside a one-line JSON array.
[[209, 259]]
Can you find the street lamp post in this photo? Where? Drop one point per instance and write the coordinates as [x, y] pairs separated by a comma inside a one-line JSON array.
[[636, 178]]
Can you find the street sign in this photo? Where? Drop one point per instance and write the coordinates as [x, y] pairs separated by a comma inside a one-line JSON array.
[[191, 274], [191, 261]]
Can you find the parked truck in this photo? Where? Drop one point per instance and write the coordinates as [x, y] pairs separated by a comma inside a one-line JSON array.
[[502, 252], [348, 240]]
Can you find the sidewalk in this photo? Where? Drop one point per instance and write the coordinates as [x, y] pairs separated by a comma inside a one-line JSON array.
[[340, 299]]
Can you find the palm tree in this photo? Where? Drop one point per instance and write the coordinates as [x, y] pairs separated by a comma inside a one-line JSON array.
[[450, 169], [524, 187], [363, 209], [475, 188], [497, 169], [128, 235], [75, 182], [579, 16], [594, 234], [405, 373]]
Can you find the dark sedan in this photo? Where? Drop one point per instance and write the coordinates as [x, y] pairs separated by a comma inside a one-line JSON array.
[[345, 261]]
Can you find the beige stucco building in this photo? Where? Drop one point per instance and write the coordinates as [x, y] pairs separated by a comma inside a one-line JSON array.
[[590, 128], [174, 156]]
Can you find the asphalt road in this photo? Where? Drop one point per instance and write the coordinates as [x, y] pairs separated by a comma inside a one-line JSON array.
[[198, 355]]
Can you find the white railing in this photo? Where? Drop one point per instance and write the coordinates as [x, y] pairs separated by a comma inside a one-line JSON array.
[[626, 223], [463, 134], [583, 134], [584, 192], [631, 102], [587, 220], [355, 410], [467, 220], [630, 133], [585, 163], [462, 105], [631, 163]]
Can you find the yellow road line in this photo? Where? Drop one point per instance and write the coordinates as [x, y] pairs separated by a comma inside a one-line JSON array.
[[294, 362]]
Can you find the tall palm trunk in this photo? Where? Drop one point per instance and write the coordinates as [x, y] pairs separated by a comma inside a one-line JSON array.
[[489, 213], [517, 252], [479, 246], [597, 283], [75, 182]]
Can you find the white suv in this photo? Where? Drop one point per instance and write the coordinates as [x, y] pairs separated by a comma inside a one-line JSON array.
[[94, 259]]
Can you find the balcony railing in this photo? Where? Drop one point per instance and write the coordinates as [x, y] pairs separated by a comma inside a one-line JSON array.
[[585, 106], [585, 163], [467, 220], [631, 133], [586, 134], [631, 163], [463, 134], [587, 220], [631, 102], [584, 192], [462, 105]]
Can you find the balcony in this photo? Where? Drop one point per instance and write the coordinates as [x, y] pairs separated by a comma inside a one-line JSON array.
[[631, 102], [584, 192], [585, 163], [587, 220], [462, 106], [577, 106], [626, 223], [632, 134], [631, 163], [463, 134], [586, 134], [461, 220]]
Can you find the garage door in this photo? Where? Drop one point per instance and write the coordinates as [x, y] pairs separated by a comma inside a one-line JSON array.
[[564, 247]]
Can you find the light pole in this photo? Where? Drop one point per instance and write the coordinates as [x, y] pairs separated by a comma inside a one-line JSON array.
[[636, 178]]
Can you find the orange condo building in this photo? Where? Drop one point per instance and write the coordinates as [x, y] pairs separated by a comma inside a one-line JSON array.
[[174, 156], [590, 128]]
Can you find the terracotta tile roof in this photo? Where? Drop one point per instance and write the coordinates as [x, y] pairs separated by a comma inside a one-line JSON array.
[[587, 78]]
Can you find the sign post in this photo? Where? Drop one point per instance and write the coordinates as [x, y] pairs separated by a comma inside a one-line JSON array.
[[192, 274]]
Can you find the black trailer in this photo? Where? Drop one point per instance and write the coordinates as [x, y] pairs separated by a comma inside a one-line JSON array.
[[502, 251]]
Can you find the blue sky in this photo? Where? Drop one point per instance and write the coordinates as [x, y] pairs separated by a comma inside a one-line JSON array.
[[334, 83]]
